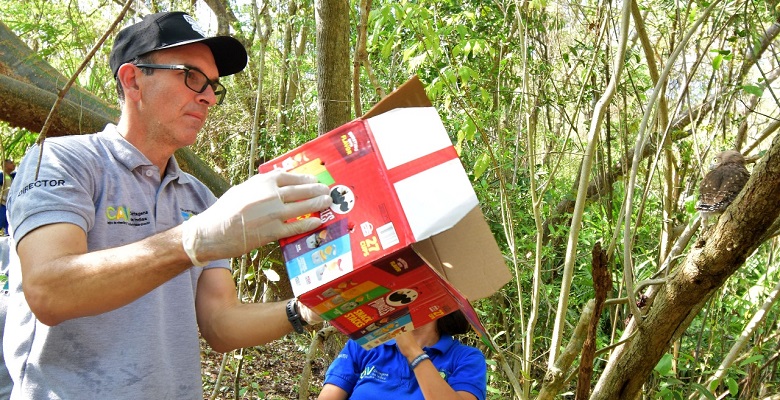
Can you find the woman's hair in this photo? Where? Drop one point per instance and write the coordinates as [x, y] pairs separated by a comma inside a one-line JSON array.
[[454, 323]]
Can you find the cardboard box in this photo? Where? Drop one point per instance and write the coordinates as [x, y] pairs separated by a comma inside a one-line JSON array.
[[405, 241]]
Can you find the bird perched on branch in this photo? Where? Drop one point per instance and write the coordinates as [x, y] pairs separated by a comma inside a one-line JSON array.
[[722, 184]]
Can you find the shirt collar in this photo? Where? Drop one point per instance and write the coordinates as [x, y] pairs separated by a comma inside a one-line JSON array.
[[132, 158], [441, 347]]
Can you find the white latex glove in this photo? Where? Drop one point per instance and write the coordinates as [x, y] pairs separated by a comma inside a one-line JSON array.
[[253, 214], [307, 314]]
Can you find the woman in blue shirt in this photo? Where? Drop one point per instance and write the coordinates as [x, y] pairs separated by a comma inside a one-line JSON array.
[[426, 363]]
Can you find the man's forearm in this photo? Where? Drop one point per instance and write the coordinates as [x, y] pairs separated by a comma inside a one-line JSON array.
[[244, 325], [61, 280]]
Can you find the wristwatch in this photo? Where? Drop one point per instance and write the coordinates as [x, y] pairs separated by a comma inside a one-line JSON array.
[[294, 316]]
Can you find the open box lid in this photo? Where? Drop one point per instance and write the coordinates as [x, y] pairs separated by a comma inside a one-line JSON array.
[[410, 94], [467, 254]]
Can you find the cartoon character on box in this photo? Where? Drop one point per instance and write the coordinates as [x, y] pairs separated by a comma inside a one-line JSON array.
[[401, 297], [343, 199]]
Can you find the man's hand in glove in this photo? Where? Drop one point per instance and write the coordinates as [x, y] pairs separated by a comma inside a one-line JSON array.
[[253, 214]]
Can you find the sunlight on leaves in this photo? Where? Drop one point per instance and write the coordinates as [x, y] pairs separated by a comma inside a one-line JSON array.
[[272, 275]]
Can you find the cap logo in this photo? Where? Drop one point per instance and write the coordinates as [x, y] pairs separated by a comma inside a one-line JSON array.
[[194, 24]]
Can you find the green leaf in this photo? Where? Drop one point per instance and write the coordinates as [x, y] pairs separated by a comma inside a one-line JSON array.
[[754, 90], [721, 51], [249, 276], [449, 76], [733, 386], [468, 129], [485, 95], [751, 360], [491, 389], [387, 49], [664, 366], [416, 61], [717, 61], [477, 48], [706, 393], [481, 165], [465, 74], [467, 48], [409, 52]]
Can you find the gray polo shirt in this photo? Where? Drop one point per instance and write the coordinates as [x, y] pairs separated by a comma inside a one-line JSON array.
[[146, 349], [5, 259]]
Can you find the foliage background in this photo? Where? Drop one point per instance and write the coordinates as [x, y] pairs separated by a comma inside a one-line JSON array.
[[518, 85]]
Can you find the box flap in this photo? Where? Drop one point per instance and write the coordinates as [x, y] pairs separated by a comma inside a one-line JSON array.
[[410, 94], [424, 169], [468, 256]]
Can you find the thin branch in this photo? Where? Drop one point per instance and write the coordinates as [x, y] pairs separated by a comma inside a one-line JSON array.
[[750, 328], [64, 91], [628, 273], [587, 162]]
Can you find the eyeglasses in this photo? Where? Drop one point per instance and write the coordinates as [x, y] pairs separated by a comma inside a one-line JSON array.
[[195, 80]]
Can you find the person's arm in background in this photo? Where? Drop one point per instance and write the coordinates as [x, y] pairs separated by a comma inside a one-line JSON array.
[[432, 385], [62, 280], [343, 373], [332, 392]]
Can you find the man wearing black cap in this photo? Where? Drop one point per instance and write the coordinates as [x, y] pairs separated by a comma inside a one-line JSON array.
[[124, 257]]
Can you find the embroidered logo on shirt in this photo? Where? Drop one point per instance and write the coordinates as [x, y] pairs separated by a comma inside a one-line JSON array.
[[372, 373], [444, 374], [124, 216], [187, 214], [4, 284]]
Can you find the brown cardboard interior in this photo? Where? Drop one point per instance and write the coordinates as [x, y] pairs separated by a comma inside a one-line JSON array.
[[410, 94], [468, 256]]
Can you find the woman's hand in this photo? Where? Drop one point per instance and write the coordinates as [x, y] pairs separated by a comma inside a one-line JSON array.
[[408, 346]]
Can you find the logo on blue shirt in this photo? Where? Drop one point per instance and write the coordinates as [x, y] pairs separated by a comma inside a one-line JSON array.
[[370, 372]]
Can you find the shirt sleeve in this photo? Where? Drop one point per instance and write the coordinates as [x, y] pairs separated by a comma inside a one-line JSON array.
[[345, 369], [471, 373], [57, 192]]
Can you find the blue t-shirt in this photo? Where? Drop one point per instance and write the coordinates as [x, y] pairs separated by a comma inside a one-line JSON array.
[[383, 373]]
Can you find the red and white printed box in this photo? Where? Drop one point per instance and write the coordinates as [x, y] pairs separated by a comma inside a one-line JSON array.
[[404, 242]]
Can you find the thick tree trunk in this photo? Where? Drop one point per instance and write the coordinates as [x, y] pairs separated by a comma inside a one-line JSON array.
[[333, 83], [29, 87], [719, 252]]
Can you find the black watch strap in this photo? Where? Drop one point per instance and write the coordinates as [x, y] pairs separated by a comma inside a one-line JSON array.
[[294, 316]]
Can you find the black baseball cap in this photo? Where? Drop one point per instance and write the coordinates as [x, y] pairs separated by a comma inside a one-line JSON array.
[[170, 29]]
